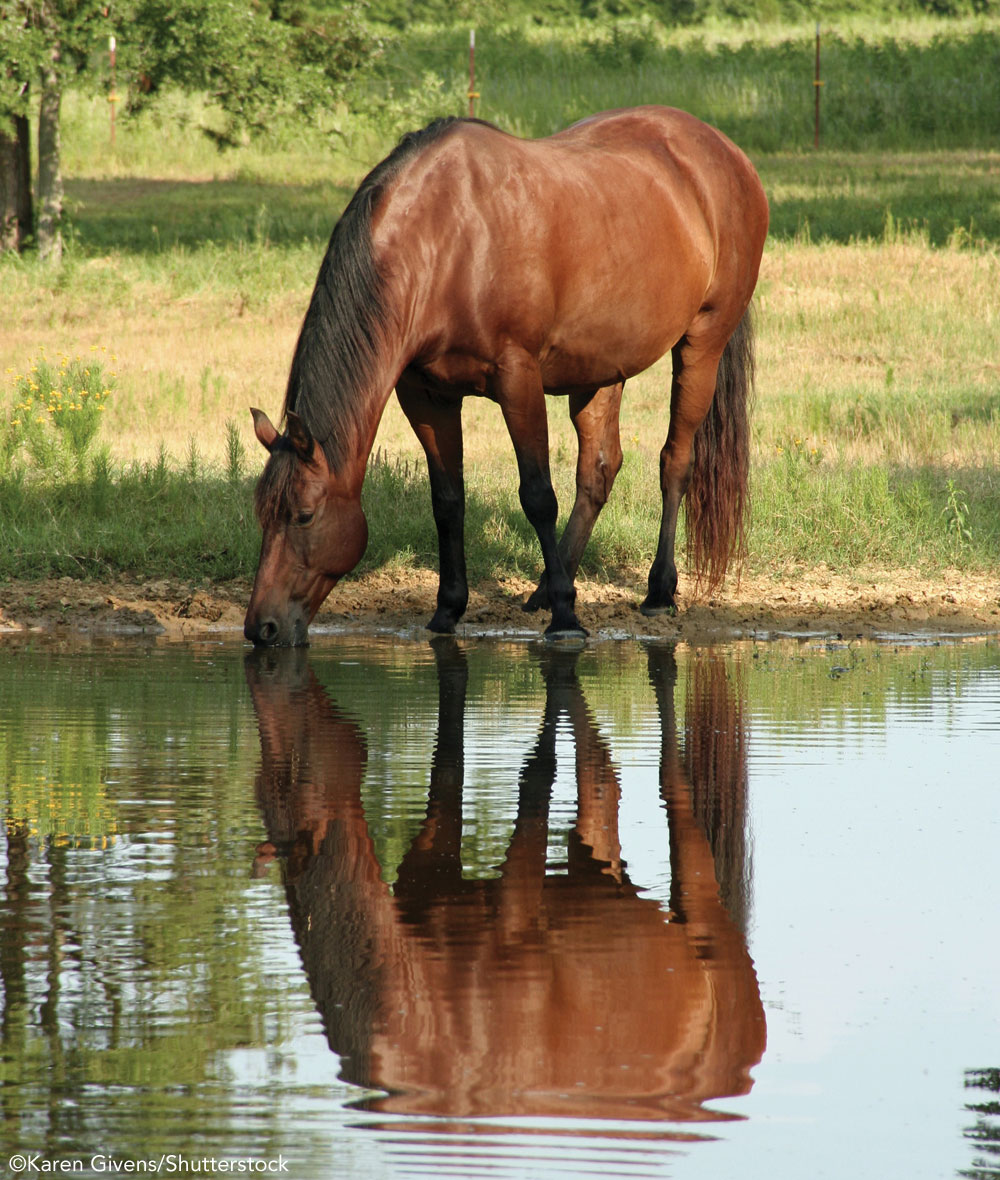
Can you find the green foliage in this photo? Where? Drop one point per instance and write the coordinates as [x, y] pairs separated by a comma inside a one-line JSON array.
[[37, 33], [853, 516], [948, 198], [918, 85], [488, 13], [256, 64]]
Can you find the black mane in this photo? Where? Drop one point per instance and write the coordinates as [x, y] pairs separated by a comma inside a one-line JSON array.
[[344, 327]]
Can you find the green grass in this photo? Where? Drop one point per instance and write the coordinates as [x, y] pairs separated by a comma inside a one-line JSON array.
[[818, 196], [147, 518], [161, 521], [946, 197]]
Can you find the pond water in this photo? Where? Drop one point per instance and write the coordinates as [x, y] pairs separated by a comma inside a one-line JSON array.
[[393, 908]]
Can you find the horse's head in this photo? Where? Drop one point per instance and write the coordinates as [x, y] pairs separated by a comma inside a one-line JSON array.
[[314, 533]]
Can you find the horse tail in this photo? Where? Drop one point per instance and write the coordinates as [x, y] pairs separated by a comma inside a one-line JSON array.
[[718, 496]]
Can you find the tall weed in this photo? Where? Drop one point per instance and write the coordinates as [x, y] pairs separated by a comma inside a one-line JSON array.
[[55, 414]]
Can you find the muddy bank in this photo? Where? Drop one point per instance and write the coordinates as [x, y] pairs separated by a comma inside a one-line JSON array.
[[816, 601]]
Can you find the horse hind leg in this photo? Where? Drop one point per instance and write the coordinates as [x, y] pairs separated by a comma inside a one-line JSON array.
[[599, 459], [706, 455], [692, 390]]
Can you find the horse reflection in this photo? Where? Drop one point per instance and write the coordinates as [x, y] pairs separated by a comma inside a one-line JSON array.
[[531, 993]]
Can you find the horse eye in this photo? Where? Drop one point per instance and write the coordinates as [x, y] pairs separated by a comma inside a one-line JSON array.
[[304, 517]]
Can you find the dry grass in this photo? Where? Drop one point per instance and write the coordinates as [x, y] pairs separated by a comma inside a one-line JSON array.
[[881, 353], [866, 351]]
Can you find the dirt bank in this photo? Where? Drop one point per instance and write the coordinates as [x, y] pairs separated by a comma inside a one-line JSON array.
[[819, 600]]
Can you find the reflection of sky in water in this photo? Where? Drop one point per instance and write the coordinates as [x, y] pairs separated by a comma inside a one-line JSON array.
[[873, 927], [876, 942]]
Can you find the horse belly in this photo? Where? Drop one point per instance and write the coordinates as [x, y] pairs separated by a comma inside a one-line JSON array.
[[605, 332]]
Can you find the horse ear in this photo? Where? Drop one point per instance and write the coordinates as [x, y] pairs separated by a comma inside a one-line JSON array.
[[300, 436], [265, 432]]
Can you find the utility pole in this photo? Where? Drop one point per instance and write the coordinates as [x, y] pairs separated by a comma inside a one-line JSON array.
[[113, 96]]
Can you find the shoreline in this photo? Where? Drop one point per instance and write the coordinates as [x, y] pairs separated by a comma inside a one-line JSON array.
[[867, 605]]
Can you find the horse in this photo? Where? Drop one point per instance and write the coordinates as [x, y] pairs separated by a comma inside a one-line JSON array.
[[528, 993], [472, 262]]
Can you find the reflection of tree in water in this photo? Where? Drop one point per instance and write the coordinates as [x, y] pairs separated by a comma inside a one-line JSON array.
[[533, 992], [984, 1134]]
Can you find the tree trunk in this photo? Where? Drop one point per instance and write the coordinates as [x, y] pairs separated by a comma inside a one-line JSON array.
[[50, 184], [15, 186]]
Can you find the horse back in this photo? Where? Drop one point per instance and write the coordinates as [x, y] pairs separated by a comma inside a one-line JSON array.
[[593, 248]]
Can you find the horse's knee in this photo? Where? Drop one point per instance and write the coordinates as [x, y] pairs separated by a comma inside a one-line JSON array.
[[539, 502], [596, 483]]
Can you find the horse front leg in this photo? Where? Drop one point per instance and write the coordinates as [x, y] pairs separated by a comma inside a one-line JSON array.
[[438, 426], [599, 459], [522, 401]]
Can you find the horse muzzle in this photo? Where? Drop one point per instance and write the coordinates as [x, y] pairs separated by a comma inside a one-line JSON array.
[[266, 628]]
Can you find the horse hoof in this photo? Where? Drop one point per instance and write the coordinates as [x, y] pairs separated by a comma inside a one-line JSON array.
[[441, 625], [535, 603], [565, 635], [651, 611]]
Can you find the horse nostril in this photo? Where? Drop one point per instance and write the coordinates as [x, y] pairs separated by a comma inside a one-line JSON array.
[[267, 632]]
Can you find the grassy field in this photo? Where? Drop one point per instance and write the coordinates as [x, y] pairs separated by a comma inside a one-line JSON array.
[[877, 424]]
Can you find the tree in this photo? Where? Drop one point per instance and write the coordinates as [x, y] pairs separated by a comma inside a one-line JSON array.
[[19, 51], [42, 43], [15, 183], [256, 62]]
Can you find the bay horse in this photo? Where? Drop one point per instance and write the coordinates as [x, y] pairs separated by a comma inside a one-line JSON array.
[[471, 262]]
